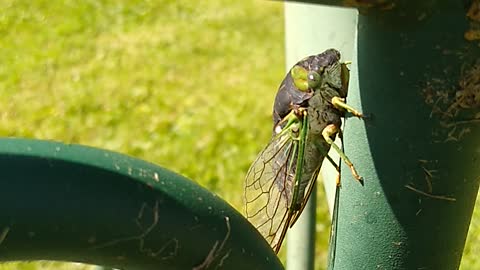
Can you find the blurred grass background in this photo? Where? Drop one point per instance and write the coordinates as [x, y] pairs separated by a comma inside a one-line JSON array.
[[187, 85]]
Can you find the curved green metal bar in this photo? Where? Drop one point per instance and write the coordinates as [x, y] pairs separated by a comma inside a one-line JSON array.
[[75, 203]]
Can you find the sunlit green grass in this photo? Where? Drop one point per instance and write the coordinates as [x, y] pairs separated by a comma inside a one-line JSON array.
[[46, 265], [188, 85]]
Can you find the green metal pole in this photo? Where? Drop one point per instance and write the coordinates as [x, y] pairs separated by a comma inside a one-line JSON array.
[[301, 239], [76, 203], [419, 153]]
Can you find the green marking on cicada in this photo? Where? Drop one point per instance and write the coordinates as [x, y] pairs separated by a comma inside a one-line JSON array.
[[301, 156]]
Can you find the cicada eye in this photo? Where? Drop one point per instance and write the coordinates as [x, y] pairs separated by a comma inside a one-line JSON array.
[[299, 76], [313, 79]]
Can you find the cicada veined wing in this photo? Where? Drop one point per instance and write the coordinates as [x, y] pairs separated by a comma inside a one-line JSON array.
[[270, 182]]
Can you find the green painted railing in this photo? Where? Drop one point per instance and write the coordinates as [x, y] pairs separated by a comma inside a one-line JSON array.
[[76, 203]]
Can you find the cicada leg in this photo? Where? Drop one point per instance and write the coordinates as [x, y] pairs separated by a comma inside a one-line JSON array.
[[327, 133], [337, 179], [290, 119], [339, 103], [330, 159]]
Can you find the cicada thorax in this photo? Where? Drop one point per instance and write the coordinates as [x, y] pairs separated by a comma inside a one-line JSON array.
[[322, 113]]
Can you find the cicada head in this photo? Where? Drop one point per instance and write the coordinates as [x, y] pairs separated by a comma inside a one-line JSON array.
[[312, 72]]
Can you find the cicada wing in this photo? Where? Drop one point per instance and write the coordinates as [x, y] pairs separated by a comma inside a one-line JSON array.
[[333, 230], [309, 189], [269, 187]]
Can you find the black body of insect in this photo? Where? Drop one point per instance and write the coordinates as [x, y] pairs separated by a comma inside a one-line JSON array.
[[307, 116]]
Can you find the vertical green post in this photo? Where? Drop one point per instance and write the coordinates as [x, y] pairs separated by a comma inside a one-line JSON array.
[[419, 159]]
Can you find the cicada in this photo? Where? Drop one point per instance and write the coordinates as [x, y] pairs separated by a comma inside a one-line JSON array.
[[307, 113]]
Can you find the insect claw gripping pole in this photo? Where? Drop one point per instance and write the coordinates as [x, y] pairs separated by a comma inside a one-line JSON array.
[[339, 103], [329, 131]]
